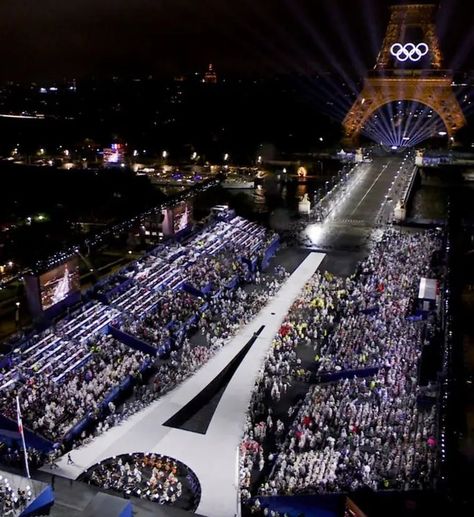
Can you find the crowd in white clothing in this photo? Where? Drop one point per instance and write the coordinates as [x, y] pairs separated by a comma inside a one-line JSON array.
[[226, 313], [365, 428], [51, 408]]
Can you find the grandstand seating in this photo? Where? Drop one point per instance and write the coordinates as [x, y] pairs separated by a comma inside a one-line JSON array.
[[147, 300]]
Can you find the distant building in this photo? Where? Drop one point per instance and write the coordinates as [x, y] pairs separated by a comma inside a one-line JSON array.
[[210, 76], [114, 155]]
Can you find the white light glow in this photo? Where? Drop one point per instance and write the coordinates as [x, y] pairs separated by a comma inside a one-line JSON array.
[[315, 233], [409, 51]]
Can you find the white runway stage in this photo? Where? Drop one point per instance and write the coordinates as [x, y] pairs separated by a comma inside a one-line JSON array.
[[212, 456]]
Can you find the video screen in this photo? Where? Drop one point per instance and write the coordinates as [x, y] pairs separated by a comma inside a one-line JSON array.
[[59, 283], [182, 214]]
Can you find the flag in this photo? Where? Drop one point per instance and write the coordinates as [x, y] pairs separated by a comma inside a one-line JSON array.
[[22, 434], [19, 420]]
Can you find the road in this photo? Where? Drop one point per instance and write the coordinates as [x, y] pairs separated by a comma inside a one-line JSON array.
[[367, 204]]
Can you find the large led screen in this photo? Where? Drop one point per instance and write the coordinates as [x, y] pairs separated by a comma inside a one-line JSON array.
[[59, 283], [182, 214]]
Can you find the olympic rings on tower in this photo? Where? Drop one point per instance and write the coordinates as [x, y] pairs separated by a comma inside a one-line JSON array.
[[409, 51]]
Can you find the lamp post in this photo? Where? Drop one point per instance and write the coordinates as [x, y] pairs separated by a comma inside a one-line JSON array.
[[321, 167], [17, 315]]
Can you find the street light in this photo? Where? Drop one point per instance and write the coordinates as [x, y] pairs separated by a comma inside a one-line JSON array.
[[226, 156], [17, 315], [164, 154]]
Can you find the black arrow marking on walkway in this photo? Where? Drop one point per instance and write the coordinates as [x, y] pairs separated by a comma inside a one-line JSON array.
[[197, 414]]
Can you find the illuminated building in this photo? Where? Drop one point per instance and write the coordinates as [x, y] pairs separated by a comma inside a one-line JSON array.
[[210, 76], [114, 155]]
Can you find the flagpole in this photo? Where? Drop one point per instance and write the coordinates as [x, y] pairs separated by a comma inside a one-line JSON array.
[[20, 429]]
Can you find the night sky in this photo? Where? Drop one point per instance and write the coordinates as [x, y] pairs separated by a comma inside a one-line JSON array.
[[53, 39]]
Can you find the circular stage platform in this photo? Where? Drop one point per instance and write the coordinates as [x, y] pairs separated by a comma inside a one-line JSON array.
[[149, 476]]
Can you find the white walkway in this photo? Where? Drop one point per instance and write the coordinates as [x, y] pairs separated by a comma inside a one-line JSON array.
[[213, 456]]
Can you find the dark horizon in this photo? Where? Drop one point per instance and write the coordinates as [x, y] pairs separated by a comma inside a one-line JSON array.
[[53, 39]]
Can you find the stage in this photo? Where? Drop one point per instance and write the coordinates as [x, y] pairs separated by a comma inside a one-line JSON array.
[[212, 456]]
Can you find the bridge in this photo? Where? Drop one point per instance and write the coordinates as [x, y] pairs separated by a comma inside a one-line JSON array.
[[369, 203]]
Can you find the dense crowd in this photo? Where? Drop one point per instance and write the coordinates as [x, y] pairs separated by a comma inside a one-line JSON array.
[[172, 313], [214, 271], [356, 433], [225, 314], [66, 373], [147, 476], [309, 322], [51, 408], [360, 428]]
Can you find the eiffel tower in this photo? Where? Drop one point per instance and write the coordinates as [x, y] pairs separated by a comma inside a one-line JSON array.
[[397, 75]]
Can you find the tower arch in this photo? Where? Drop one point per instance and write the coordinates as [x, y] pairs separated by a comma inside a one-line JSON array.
[[404, 123]]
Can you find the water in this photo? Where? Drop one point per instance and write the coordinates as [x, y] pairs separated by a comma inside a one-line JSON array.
[[274, 204], [431, 195], [438, 188]]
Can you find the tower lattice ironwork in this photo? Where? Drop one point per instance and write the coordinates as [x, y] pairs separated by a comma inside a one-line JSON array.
[[398, 76]]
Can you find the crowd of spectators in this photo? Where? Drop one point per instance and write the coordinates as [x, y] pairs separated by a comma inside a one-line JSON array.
[[173, 311], [226, 313], [214, 271], [309, 322], [51, 408], [364, 426], [65, 374]]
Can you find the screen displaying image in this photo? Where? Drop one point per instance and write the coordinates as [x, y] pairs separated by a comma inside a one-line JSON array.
[[182, 213], [57, 284]]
